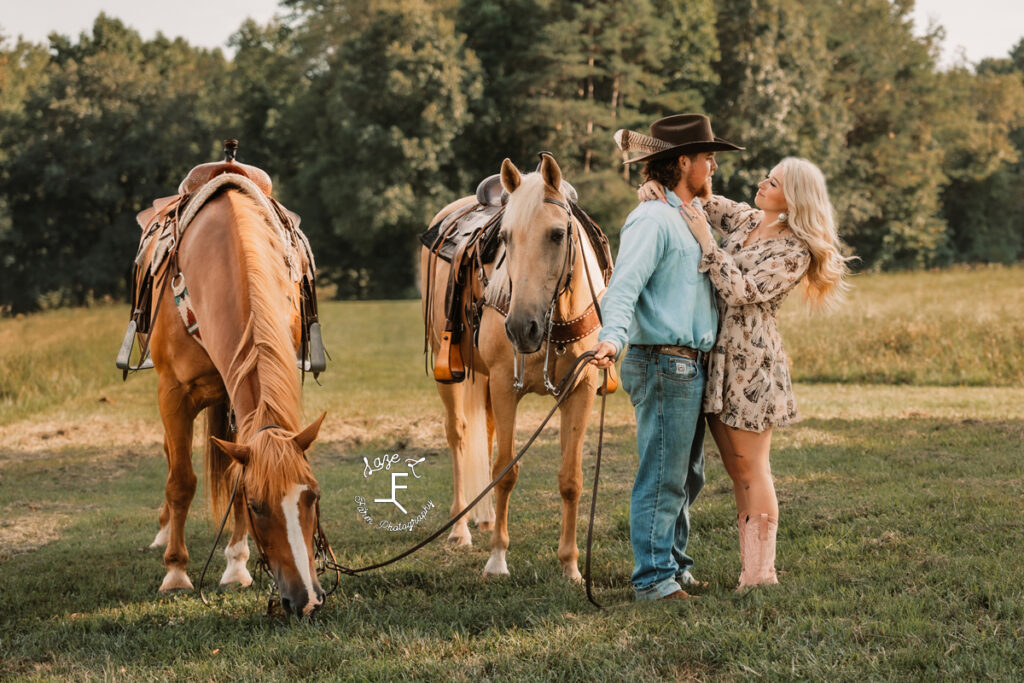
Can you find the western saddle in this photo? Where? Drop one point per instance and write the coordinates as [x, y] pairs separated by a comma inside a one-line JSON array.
[[163, 225], [468, 239]]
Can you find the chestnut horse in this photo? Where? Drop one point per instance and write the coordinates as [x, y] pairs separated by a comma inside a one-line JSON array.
[[246, 305], [543, 264]]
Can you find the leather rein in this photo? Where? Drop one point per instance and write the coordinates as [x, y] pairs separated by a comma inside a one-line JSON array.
[[323, 554], [325, 559]]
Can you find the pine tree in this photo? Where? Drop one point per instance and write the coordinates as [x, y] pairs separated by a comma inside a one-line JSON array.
[[773, 97], [888, 191]]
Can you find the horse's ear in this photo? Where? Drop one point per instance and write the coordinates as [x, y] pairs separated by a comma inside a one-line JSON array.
[[550, 172], [307, 436], [510, 176], [239, 452]]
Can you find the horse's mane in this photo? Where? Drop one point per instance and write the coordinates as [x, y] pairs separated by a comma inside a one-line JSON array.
[[266, 349], [524, 207], [526, 203]]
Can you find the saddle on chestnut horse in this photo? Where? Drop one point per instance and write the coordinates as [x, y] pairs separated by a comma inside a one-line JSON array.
[[166, 221]]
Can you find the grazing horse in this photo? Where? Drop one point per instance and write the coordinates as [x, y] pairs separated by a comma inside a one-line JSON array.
[[542, 260], [246, 307]]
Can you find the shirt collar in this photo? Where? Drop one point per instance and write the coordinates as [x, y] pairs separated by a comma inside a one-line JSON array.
[[673, 199]]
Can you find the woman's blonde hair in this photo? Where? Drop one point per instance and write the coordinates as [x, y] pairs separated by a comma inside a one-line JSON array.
[[812, 219]]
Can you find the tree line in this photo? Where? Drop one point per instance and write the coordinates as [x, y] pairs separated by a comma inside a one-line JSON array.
[[372, 115]]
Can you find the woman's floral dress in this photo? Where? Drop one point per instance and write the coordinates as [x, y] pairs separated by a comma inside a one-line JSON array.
[[748, 385]]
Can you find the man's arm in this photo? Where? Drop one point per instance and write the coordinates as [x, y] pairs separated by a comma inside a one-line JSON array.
[[642, 244]]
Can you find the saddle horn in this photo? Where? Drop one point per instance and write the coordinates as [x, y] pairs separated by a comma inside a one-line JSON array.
[[230, 149], [540, 155]]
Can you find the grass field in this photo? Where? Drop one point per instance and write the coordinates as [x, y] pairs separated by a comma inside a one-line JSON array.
[[898, 552]]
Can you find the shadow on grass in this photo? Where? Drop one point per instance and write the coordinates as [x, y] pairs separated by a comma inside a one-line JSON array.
[[898, 537]]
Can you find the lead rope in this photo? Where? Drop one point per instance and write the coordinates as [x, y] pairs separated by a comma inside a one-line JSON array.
[[579, 366], [587, 578], [325, 558]]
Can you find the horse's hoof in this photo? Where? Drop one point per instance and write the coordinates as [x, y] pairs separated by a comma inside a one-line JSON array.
[[175, 580], [460, 539], [161, 537], [573, 575], [240, 576], [496, 564]]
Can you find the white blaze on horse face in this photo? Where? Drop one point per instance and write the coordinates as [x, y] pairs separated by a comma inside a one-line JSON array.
[[290, 507]]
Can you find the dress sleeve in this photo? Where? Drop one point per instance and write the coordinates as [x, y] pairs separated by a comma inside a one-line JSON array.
[[777, 271], [725, 214]]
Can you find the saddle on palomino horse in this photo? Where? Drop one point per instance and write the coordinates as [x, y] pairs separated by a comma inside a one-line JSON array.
[[166, 221], [468, 239]]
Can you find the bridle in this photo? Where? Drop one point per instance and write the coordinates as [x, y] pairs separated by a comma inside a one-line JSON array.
[[562, 286], [323, 554]]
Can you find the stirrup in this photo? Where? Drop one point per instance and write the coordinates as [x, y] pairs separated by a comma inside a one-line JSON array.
[[449, 367], [123, 360], [317, 356], [317, 360], [609, 384]]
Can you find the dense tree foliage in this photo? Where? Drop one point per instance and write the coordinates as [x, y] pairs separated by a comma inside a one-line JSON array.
[[372, 115]]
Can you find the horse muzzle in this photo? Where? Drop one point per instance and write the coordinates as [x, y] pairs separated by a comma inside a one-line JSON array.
[[525, 332], [295, 600]]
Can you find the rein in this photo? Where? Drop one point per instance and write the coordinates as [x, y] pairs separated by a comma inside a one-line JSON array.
[[577, 369], [325, 558]]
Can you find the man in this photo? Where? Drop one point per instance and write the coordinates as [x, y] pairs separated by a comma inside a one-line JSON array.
[[659, 303]]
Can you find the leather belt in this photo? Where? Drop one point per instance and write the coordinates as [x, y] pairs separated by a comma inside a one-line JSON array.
[[682, 351]]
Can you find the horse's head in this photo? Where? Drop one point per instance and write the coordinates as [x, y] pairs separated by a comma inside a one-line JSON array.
[[281, 494], [535, 230]]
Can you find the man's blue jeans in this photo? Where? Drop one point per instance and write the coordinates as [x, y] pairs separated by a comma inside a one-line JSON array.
[[666, 392]]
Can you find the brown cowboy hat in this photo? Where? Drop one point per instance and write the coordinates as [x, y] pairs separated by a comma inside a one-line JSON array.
[[670, 137]]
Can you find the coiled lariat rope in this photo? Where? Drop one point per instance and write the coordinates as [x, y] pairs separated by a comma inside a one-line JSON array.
[[324, 554]]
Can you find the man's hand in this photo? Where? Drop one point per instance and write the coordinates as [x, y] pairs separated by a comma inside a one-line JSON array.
[[604, 354]]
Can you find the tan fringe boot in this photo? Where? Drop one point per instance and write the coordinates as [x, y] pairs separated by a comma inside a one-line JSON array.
[[759, 562]]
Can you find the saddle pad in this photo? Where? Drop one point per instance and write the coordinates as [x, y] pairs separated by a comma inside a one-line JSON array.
[[468, 223]]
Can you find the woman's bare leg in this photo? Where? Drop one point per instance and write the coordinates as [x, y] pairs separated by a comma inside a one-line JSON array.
[[748, 465], [729, 460]]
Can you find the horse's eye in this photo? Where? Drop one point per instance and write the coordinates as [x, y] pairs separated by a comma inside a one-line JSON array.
[[557, 236], [256, 508], [502, 236]]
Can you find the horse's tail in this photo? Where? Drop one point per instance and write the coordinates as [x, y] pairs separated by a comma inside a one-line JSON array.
[[478, 445], [217, 462]]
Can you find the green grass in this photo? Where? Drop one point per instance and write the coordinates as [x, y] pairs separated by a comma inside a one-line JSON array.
[[898, 550], [963, 326]]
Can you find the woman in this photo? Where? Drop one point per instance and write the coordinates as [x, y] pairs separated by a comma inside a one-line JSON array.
[[765, 253]]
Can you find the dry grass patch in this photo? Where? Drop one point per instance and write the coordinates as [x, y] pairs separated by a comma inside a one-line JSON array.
[[28, 526]]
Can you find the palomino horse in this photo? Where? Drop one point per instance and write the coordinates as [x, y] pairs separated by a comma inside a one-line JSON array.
[[246, 307], [543, 263]]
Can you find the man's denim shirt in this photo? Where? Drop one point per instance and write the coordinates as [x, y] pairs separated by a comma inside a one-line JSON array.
[[656, 295]]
